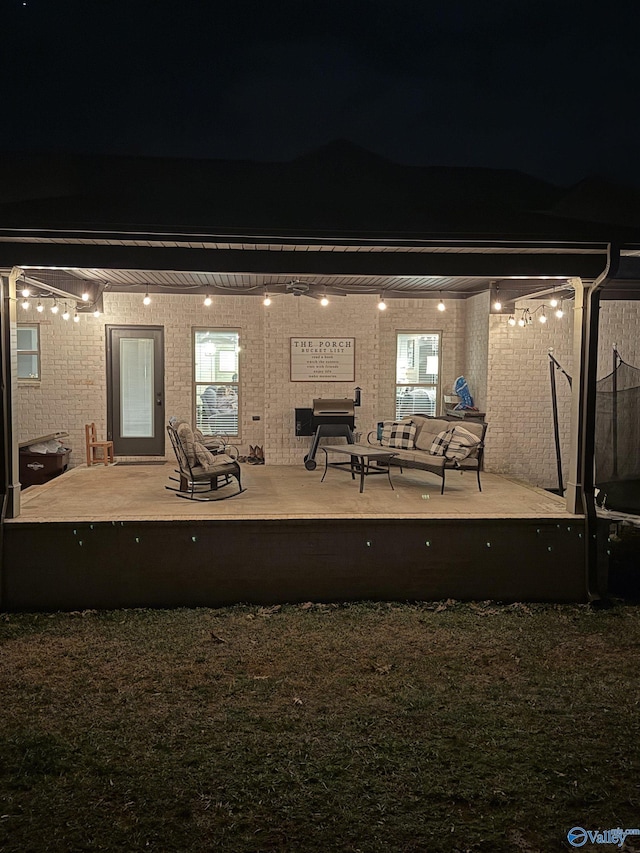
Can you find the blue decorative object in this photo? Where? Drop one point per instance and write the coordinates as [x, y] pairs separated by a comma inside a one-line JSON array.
[[462, 390]]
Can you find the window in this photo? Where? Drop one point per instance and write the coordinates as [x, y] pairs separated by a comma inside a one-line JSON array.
[[216, 386], [417, 373], [28, 351]]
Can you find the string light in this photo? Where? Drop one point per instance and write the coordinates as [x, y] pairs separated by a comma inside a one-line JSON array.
[[26, 292], [208, 300], [39, 307], [85, 296], [146, 300], [324, 300], [560, 312], [54, 307], [267, 300], [543, 317], [76, 318], [96, 313], [25, 304], [497, 305], [382, 305], [512, 320], [66, 315], [441, 305]]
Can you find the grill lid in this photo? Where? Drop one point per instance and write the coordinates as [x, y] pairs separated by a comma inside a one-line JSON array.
[[333, 408]]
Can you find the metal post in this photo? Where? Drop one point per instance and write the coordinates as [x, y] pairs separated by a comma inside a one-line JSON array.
[[556, 431], [614, 412]]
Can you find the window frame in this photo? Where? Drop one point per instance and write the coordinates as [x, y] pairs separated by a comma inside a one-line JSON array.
[[428, 386], [196, 383], [37, 352]]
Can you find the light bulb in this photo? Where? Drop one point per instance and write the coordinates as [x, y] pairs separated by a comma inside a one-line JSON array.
[[497, 305], [441, 306], [76, 318], [324, 301], [522, 322], [512, 320], [146, 300], [96, 313], [25, 304], [208, 300], [54, 308], [266, 300], [559, 313], [26, 292], [85, 296], [39, 308], [543, 318], [382, 305], [553, 302], [66, 314]]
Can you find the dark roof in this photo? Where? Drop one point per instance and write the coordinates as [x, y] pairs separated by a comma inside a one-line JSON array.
[[339, 189]]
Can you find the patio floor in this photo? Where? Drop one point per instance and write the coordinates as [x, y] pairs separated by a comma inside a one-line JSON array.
[[137, 492]]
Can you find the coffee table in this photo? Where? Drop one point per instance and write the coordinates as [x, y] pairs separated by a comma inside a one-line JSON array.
[[360, 461]]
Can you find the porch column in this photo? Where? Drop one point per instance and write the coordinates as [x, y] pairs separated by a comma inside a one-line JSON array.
[[575, 485], [9, 364]]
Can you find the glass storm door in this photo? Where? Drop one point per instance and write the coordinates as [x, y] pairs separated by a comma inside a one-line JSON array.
[[135, 390]]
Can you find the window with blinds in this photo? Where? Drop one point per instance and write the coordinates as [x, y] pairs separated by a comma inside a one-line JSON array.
[[417, 373], [28, 351], [216, 381]]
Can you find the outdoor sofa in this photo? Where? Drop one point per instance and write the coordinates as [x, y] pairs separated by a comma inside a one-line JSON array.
[[436, 445]]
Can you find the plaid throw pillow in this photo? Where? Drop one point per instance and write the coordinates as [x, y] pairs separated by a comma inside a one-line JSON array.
[[461, 444], [440, 443], [402, 436]]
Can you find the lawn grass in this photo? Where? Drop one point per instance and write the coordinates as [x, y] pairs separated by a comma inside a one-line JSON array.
[[369, 727]]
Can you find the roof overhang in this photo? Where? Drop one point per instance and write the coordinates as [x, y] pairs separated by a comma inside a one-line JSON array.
[[401, 268]]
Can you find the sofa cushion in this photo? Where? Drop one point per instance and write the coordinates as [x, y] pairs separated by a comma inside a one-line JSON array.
[[461, 443], [431, 427], [440, 443], [419, 459], [400, 435]]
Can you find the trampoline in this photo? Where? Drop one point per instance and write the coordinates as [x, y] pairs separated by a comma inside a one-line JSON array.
[[617, 438]]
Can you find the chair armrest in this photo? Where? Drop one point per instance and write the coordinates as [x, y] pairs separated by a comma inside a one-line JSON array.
[[374, 442]]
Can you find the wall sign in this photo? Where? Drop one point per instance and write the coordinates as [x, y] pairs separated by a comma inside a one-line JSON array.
[[323, 359]]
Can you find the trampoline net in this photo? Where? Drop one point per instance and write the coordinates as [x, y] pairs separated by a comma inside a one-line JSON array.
[[617, 439]]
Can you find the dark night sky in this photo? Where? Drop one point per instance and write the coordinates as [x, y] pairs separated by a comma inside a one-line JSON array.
[[549, 88]]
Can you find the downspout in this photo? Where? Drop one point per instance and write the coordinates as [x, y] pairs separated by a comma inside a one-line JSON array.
[[588, 376]]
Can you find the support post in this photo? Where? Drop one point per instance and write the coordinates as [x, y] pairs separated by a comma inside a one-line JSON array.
[[8, 359], [573, 494]]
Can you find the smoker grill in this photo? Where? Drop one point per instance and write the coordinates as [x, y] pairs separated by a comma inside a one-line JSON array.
[[327, 419]]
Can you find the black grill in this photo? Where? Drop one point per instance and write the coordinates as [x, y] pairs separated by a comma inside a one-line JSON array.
[[327, 419]]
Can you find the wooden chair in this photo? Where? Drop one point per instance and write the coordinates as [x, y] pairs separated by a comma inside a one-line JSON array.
[[93, 445]]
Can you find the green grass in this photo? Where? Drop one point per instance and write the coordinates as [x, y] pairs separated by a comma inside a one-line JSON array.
[[371, 727]]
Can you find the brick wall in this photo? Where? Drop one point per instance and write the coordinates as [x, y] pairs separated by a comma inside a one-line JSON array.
[[477, 347], [507, 367], [619, 324], [520, 439], [73, 387]]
